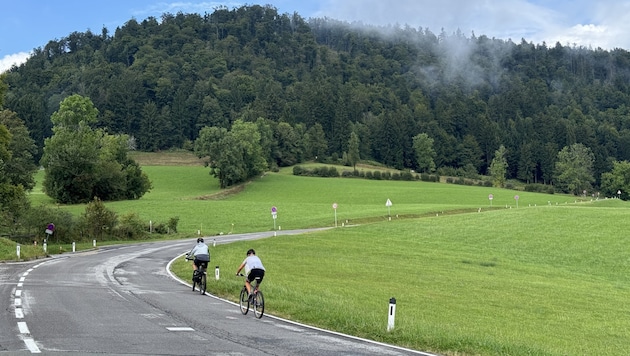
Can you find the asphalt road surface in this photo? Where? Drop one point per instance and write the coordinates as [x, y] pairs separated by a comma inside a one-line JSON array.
[[122, 300]]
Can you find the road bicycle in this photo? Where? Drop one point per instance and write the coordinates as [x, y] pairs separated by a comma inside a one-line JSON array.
[[200, 276], [256, 301]]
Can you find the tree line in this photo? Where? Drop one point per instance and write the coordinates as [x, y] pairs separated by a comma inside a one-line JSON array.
[[405, 97]]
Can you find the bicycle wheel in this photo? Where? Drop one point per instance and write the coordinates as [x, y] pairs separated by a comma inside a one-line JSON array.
[[193, 282], [202, 283], [244, 301], [259, 304]]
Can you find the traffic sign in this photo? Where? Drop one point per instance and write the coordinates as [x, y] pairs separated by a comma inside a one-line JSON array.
[[335, 206]]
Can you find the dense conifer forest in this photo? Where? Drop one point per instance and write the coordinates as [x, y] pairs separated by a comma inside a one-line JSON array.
[[315, 82]]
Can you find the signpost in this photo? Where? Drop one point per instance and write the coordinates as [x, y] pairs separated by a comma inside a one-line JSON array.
[[335, 208], [516, 198], [50, 229], [490, 197], [274, 215], [388, 204]]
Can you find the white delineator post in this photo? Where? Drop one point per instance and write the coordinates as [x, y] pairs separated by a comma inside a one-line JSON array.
[[216, 273], [392, 314]]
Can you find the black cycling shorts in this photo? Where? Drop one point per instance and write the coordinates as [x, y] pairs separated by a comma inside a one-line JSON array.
[[255, 273], [200, 263]]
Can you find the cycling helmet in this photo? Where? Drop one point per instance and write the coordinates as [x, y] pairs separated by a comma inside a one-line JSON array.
[[199, 240], [251, 252]]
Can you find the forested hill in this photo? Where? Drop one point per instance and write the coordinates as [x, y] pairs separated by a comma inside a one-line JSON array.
[[162, 80]]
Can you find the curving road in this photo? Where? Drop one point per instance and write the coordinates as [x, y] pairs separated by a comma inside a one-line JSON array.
[[121, 300]]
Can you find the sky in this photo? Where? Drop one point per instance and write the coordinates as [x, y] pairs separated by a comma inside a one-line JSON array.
[[29, 24]]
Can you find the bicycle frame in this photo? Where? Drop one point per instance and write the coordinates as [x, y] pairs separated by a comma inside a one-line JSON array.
[[258, 300]]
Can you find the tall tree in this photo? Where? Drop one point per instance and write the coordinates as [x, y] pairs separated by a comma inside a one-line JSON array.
[[71, 154], [617, 181], [574, 169], [82, 163], [316, 143], [498, 167], [425, 154], [233, 156], [20, 168], [353, 150]]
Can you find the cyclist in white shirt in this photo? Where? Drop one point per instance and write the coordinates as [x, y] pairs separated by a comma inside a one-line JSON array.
[[253, 269]]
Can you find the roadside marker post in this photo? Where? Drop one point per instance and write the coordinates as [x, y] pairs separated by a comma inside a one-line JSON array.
[[392, 314]]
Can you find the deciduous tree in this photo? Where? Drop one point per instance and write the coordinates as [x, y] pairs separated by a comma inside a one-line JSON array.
[[574, 169], [425, 154], [498, 167]]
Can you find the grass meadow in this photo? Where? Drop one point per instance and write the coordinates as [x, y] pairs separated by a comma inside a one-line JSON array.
[[546, 277]]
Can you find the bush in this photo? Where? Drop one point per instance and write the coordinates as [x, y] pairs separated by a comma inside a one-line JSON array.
[[172, 224], [98, 221], [377, 175], [130, 227], [425, 177], [160, 228], [406, 176], [298, 171], [41, 216], [386, 175]]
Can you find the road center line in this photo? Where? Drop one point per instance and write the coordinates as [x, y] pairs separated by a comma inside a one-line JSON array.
[[32, 346], [23, 328]]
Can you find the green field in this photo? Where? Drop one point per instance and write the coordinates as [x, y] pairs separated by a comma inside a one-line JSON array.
[[548, 277]]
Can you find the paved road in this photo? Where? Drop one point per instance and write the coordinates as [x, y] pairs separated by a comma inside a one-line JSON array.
[[121, 300]]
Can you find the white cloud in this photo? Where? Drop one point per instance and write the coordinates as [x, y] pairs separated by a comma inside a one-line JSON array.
[[602, 23], [11, 59], [160, 8]]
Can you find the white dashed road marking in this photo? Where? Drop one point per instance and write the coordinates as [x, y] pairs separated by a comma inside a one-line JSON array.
[[23, 328], [19, 314]]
